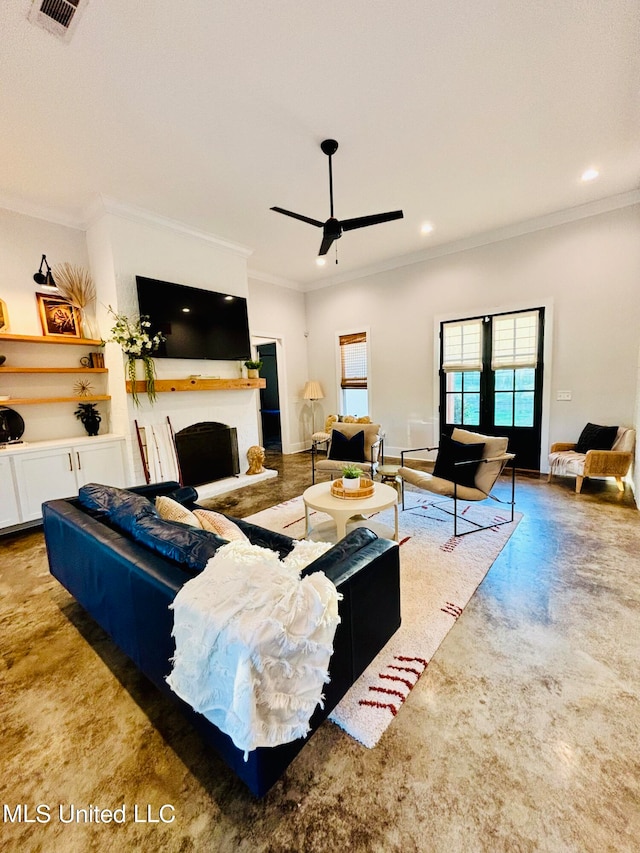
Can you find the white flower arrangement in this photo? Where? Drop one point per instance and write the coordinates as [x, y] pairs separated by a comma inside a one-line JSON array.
[[137, 344]]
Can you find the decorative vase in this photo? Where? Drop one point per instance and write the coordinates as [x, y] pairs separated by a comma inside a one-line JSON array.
[[253, 373], [88, 324], [3, 358], [350, 484]]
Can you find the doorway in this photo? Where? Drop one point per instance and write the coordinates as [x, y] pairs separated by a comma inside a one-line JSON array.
[[270, 398]]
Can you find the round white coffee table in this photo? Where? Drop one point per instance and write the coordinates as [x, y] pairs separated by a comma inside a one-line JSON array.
[[319, 497]]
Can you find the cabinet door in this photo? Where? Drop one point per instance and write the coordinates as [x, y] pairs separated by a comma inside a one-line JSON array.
[[100, 463], [9, 512], [42, 476]]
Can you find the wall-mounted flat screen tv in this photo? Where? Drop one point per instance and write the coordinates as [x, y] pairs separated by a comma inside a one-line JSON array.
[[195, 323]]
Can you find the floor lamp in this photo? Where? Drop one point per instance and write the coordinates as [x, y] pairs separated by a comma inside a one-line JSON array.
[[313, 391]]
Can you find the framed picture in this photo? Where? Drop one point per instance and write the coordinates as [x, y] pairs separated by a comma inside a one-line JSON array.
[[4, 317], [57, 316]]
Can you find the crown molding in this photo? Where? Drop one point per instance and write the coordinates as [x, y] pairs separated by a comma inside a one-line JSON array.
[[486, 238], [269, 278], [102, 205], [38, 211]]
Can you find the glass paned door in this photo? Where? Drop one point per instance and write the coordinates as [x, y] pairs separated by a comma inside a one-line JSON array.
[[497, 399]]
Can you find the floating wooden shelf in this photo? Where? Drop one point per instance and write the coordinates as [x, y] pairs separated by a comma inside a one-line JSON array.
[[50, 339], [24, 401], [53, 370], [163, 385]]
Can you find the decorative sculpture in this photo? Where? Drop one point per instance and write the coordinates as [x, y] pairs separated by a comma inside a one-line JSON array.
[[255, 455]]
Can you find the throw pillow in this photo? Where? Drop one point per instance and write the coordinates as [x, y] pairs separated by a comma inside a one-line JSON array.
[[450, 452], [596, 437], [220, 524], [343, 449], [171, 510]]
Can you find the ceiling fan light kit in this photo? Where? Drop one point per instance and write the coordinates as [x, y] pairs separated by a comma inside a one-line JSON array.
[[333, 228]]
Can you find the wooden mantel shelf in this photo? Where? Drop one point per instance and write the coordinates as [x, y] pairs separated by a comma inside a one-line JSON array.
[[163, 385]]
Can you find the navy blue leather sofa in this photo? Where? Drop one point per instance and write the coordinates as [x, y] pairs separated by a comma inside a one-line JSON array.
[[125, 566]]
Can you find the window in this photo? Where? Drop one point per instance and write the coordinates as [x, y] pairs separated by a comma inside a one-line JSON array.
[[353, 374], [514, 358], [462, 364]]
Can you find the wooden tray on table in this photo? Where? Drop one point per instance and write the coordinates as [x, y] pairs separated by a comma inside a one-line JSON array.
[[366, 490]]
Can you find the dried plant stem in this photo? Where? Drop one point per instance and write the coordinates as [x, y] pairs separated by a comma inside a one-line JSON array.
[[75, 284]]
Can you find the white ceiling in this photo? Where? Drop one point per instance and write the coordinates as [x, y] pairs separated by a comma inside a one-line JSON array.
[[470, 114]]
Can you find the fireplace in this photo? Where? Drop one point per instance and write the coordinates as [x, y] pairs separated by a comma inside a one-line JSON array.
[[207, 452]]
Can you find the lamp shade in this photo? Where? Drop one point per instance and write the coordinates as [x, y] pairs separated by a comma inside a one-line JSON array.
[[312, 390]]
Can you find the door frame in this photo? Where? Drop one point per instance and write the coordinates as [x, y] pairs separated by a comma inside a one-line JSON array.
[[283, 396], [508, 308]]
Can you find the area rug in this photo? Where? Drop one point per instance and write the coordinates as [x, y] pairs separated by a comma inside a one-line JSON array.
[[439, 574]]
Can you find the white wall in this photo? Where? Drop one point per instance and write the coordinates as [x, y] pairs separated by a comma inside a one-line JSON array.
[[278, 313], [122, 245], [588, 270]]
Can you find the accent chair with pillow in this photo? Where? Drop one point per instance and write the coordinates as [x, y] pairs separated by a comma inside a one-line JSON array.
[[601, 451], [358, 444], [466, 469]]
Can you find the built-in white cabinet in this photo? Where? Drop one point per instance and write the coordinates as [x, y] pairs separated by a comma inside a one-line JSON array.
[[38, 472], [9, 509]]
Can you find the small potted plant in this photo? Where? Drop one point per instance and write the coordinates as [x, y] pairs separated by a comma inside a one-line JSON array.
[[90, 417], [253, 368], [351, 477]]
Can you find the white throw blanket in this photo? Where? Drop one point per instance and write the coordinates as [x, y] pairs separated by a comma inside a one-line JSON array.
[[253, 643]]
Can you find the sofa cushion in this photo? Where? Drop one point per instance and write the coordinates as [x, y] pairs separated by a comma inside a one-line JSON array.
[[108, 499], [347, 448], [190, 547], [185, 495], [171, 510], [220, 525], [450, 452], [596, 437]]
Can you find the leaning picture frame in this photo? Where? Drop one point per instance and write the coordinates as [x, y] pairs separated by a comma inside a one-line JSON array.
[[4, 317], [57, 316]]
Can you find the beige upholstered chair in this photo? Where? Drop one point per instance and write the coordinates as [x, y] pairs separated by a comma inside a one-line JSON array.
[[565, 461], [372, 450], [476, 485], [323, 435]]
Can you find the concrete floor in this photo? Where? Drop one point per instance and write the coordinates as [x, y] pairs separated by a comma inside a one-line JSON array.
[[522, 735]]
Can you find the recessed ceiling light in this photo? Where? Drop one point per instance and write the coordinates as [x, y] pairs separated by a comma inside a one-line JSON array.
[[427, 228], [186, 310], [589, 175], [321, 261]]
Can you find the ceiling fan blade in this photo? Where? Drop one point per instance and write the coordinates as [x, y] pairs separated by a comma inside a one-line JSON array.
[[374, 219], [299, 216], [326, 244]]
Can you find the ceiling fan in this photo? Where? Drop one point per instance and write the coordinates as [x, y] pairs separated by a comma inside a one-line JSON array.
[[332, 229]]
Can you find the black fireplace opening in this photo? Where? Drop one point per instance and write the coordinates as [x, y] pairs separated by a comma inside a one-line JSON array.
[[207, 452]]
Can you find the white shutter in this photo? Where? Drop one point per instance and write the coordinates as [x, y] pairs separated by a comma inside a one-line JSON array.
[[515, 341], [462, 345]]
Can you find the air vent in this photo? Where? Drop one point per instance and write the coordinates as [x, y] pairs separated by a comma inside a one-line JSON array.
[[59, 17]]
